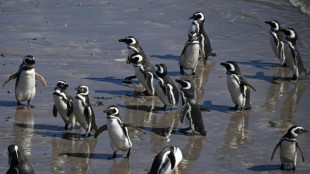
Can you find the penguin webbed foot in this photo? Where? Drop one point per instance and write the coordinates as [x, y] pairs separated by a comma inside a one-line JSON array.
[[181, 70], [113, 156], [294, 78], [184, 130], [128, 154], [66, 126], [282, 167], [234, 108], [20, 105]]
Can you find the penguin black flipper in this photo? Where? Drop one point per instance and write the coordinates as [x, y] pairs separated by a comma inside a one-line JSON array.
[[13, 76], [41, 80], [100, 130], [135, 127], [302, 154], [248, 85], [54, 111], [275, 148]]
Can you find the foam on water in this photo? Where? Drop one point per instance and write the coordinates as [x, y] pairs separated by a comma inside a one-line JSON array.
[[303, 5]]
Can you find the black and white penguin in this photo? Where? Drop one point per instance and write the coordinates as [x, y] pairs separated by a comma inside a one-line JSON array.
[[197, 25], [18, 161], [26, 76], [133, 47], [292, 55], [165, 89], [117, 130], [191, 113], [189, 56], [289, 146], [166, 161], [237, 86], [277, 40], [144, 71], [63, 103], [83, 110]]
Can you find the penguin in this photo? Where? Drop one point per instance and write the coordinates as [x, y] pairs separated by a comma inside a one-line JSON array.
[[189, 56], [292, 55], [133, 47], [289, 146], [277, 41], [197, 25], [165, 89], [167, 160], [117, 130], [18, 161], [237, 86], [190, 113], [63, 103], [83, 111], [25, 81], [144, 72]]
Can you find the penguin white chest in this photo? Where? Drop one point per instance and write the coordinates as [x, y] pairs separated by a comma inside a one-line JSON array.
[[61, 107], [189, 58], [79, 113], [235, 91], [119, 140], [160, 93], [288, 152], [25, 89], [290, 59]]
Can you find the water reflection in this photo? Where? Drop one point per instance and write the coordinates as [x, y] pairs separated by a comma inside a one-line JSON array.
[[69, 155], [123, 167], [23, 129]]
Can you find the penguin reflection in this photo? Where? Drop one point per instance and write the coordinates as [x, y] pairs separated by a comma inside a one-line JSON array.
[[73, 153], [23, 129], [123, 167]]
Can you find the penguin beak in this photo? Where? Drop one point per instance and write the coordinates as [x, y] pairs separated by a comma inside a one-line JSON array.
[[192, 17], [181, 82], [106, 110], [224, 64], [268, 22], [305, 131], [124, 40], [158, 66]]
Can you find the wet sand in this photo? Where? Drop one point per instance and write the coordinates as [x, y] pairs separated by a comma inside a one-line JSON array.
[[78, 42]]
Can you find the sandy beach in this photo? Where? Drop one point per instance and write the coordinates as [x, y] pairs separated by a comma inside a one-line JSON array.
[[77, 41]]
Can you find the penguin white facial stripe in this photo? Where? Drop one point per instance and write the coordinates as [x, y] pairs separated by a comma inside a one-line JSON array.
[[232, 67], [133, 41], [202, 16], [114, 109], [86, 93], [292, 33], [16, 149], [161, 70], [293, 131], [188, 85]]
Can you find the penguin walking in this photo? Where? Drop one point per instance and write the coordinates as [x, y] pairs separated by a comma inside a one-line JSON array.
[[190, 114], [277, 41], [63, 103], [83, 111], [166, 161], [165, 89], [144, 71], [133, 47], [189, 56], [197, 25], [289, 146], [117, 130], [237, 86], [18, 161], [292, 55], [25, 81]]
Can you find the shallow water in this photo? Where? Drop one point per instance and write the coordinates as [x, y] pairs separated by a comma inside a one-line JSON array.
[[78, 42]]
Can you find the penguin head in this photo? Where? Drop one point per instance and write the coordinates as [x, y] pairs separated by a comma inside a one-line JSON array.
[[13, 153], [187, 87], [231, 67], [62, 84], [294, 131], [82, 89], [274, 25], [136, 58], [290, 34], [129, 40], [197, 16], [112, 110], [29, 60], [161, 70]]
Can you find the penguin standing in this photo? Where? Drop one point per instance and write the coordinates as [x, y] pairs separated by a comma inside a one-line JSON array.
[[134, 47], [25, 81], [166, 161], [118, 131], [63, 103], [292, 55], [165, 89], [237, 86], [190, 114], [277, 41], [197, 25], [144, 71], [289, 146], [189, 56], [83, 111], [18, 161]]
